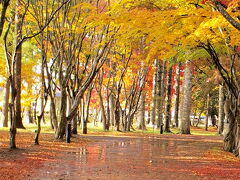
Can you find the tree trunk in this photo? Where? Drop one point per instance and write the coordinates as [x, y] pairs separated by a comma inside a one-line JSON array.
[[162, 91], [63, 121], [13, 129], [158, 94], [117, 115], [149, 114], [207, 112], [6, 103], [83, 120], [167, 118], [111, 109], [186, 101], [35, 111], [221, 109], [74, 125], [29, 114], [104, 118], [141, 112], [53, 114], [230, 124], [177, 94], [18, 65], [154, 93]]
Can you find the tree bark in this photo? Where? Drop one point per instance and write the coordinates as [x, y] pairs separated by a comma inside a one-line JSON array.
[[6, 103], [29, 114], [53, 113], [162, 91], [158, 93], [186, 101], [18, 65], [207, 112], [221, 109], [177, 95], [63, 121], [154, 93], [141, 112], [111, 109], [168, 99]]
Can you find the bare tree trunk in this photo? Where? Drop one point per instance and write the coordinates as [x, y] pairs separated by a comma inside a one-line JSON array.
[[18, 65], [186, 101], [149, 114], [42, 98], [104, 118], [13, 129], [158, 97], [29, 114], [162, 91], [167, 118], [53, 114], [117, 114], [63, 121], [154, 94], [6, 103], [84, 123], [207, 112], [221, 109], [111, 109], [177, 95], [141, 112], [230, 128]]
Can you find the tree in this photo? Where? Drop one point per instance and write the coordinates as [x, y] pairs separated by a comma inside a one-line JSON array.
[[177, 94], [168, 103], [221, 109], [186, 101]]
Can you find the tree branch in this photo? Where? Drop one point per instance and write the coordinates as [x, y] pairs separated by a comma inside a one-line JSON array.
[[225, 14], [5, 4]]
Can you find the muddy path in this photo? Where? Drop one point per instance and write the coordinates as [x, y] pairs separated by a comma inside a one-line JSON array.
[[156, 157]]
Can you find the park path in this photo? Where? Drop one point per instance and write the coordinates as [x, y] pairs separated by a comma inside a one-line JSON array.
[[148, 158]]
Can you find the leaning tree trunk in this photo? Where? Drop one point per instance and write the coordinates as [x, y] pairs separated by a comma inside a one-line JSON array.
[[167, 118], [221, 109], [186, 101]]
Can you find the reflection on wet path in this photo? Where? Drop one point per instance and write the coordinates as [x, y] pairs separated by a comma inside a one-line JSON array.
[[161, 157]]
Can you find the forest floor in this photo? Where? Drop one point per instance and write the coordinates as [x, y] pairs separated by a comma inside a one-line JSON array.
[[117, 156]]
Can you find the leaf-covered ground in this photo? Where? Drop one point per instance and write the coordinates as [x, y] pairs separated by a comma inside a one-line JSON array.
[[20, 163], [135, 156]]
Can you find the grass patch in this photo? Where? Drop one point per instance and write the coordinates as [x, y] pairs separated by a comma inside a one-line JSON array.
[[46, 128]]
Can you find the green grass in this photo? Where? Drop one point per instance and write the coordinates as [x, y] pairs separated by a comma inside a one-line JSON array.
[[45, 128]]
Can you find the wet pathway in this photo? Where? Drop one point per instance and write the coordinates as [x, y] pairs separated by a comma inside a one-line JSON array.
[[148, 158]]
